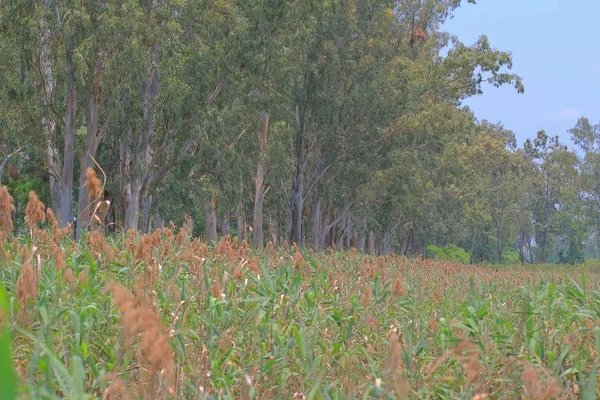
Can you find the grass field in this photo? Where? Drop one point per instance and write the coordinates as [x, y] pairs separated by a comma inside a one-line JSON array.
[[162, 316]]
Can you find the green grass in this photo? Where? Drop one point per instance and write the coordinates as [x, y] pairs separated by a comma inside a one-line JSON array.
[[246, 324]]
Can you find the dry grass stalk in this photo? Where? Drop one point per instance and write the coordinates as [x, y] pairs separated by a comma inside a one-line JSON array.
[[59, 256], [27, 290], [52, 221], [69, 279], [531, 382], [81, 278], [534, 388], [34, 211], [468, 356], [299, 261], [6, 209], [144, 248], [394, 368], [58, 234], [398, 288], [141, 320], [116, 389]]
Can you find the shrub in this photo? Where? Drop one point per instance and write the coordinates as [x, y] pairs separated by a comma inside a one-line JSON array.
[[510, 256], [450, 252]]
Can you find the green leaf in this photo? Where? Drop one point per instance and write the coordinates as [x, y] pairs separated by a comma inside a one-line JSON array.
[[8, 378]]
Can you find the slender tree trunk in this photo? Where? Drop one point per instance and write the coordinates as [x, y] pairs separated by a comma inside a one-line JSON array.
[[408, 241], [241, 224], [339, 244], [372, 243], [188, 224], [361, 243], [49, 125], [91, 145], [145, 207], [225, 225], [326, 229], [349, 229], [135, 167], [159, 222], [66, 193], [2, 166], [296, 203], [386, 247], [259, 185], [127, 205], [317, 223], [354, 239], [498, 230], [211, 221]]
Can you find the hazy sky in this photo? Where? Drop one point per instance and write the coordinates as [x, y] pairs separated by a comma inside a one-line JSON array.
[[556, 50]]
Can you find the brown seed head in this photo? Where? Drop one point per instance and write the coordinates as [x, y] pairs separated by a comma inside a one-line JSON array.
[[92, 183], [6, 209], [34, 211]]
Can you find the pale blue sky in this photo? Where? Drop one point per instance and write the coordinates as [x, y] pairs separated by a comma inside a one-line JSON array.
[[556, 50]]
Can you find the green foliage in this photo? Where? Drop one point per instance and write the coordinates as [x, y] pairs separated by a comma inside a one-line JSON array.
[[19, 190], [510, 256], [8, 378], [450, 252]]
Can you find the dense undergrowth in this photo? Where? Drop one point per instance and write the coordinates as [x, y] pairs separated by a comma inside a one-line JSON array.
[[166, 316]]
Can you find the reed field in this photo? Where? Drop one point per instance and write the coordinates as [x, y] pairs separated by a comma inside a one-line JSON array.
[[163, 315]]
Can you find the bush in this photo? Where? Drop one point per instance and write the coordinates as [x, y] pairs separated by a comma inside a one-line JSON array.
[[19, 190], [450, 252], [510, 256]]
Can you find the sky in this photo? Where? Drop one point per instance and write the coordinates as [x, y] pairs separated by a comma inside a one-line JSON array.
[[556, 50]]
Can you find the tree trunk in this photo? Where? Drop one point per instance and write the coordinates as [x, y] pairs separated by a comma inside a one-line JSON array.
[[49, 125], [241, 224], [225, 225], [2, 165], [135, 176], [499, 238], [317, 224], [386, 247], [296, 203], [372, 243], [145, 207], [259, 185], [188, 224], [339, 244], [361, 243], [211, 221], [93, 137], [66, 194], [354, 239], [159, 222], [408, 241], [128, 207]]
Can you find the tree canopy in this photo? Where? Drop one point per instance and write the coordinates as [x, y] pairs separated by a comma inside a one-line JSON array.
[[316, 122]]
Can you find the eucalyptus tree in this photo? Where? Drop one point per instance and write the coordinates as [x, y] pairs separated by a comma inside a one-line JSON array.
[[40, 36], [558, 174], [586, 136]]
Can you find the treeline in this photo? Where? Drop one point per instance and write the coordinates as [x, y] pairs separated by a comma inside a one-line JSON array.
[[316, 122]]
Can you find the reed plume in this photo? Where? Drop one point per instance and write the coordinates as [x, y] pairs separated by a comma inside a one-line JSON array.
[[6, 209], [140, 320]]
